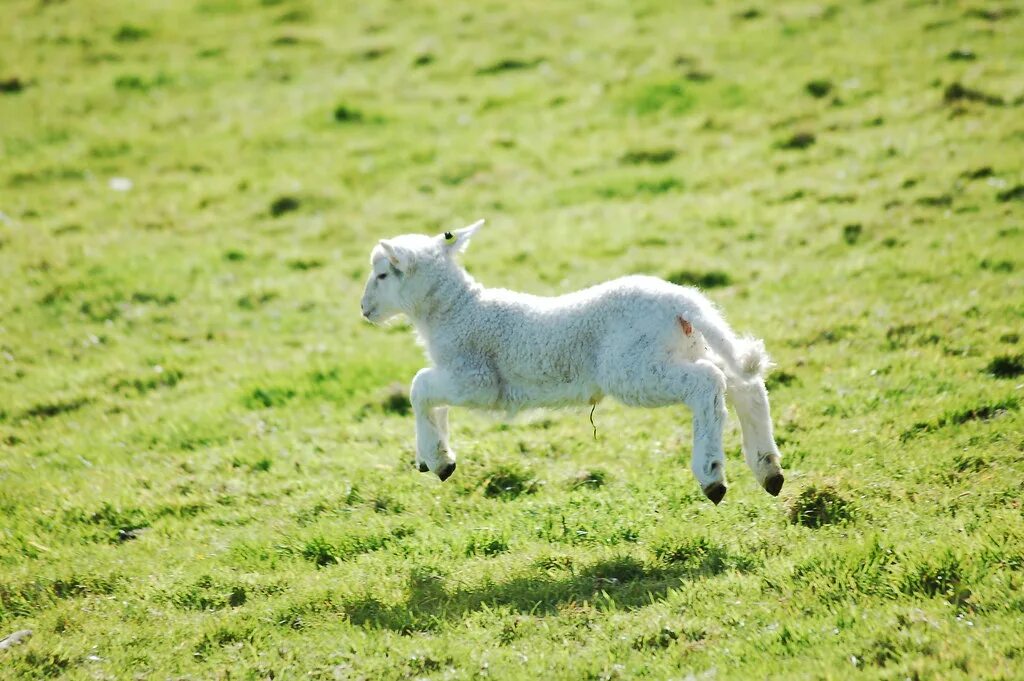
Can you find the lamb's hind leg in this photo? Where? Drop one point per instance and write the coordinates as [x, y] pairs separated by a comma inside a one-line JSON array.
[[750, 399], [701, 387]]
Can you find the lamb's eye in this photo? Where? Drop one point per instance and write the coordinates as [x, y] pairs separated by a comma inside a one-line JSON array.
[[382, 275], [448, 236]]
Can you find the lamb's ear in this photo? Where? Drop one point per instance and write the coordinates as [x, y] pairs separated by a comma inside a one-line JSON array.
[[398, 257], [458, 240]]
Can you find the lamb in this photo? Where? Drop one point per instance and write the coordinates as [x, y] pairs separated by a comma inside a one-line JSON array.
[[638, 339]]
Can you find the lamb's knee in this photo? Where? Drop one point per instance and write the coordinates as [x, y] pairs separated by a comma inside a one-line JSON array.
[[419, 390], [715, 375]]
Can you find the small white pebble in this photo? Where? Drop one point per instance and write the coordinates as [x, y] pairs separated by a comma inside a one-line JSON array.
[[120, 184]]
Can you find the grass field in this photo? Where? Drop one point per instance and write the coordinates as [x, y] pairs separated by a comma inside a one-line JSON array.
[[206, 466]]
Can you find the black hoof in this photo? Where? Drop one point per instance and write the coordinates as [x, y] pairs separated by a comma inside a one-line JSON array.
[[423, 468], [773, 485], [715, 492], [446, 472]]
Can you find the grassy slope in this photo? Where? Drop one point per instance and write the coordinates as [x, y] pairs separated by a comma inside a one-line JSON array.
[[178, 358]]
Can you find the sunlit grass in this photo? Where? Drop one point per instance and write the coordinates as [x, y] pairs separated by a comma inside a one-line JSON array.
[[207, 467]]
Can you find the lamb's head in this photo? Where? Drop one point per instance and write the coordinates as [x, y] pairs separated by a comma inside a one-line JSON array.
[[405, 269]]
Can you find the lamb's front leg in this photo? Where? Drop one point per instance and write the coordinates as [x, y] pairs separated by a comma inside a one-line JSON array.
[[472, 384], [432, 450], [438, 418]]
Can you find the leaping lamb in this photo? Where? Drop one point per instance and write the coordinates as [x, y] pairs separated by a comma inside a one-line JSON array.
[[639, 339]]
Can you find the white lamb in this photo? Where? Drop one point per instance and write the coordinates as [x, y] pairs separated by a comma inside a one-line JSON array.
[[639, 339]]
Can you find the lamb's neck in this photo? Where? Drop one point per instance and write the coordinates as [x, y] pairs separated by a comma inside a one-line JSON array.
[[453, 295]]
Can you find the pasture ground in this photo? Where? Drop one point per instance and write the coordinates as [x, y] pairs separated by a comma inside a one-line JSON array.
[[207, 474]]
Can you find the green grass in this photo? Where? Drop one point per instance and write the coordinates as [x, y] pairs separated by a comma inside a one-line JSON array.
[[207, 471]]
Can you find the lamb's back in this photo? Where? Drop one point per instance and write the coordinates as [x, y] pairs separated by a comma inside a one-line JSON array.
[[558, 337]]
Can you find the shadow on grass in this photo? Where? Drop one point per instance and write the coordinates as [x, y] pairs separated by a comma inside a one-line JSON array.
[[625, 581]]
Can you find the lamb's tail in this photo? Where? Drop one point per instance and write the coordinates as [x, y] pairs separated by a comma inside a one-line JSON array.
[[752, 358], [746, 357]]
